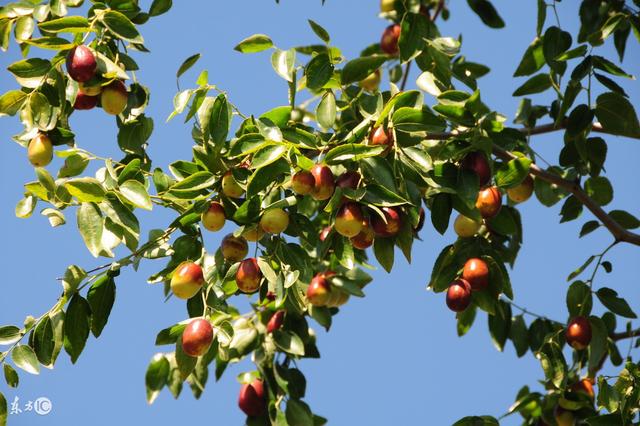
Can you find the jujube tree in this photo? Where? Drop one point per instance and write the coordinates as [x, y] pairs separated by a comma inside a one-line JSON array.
[[318, 187]]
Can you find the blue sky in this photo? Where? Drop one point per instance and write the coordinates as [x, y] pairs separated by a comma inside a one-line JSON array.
[[391, 358]]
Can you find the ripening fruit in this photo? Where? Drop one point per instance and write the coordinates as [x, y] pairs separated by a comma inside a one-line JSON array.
[[466, 227], [302, 182], [248, 276], [459, 295], [563, 417], [252, 399], [349, 179], [489, 202], [253, 233], [275, 322], [91, 88], [476, 273], [233, 248], [274, 221], [383, 137], [197, 337], [371, 82], [85, 102], [387, 5], [319, 290], [81, 63], [578, 333], [522, 192], [389, 40], [349, 220], [40, 150], [114, 97], [477, 162], [324, 184], [187, 279], [365, 237], [230, 187], [392, 225], [213, 218], [584, 386]]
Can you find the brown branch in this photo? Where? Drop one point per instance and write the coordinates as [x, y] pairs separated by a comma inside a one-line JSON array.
[[625, 335], [618, 232]]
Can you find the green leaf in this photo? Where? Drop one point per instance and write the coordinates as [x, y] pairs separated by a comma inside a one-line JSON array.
[[416, 120], [284, 62], [3, 410], [553, 363], [289, 342], [12, 379], [50, 43], [359, 68], [384, 252], [519, 335], [220, 120], [121, 26], [485, 10], [158, 7], [609, 298], [589, 227], [137, 194], [532, 60], [599, 189], [477, 421], [76, 326], [326, 111], [465, 320], [156, 376], [573, 53], [617, 115], [9, 334], [268, 155], [90, 225], [554, 43], [68, 24], [11, 102], [536, 84], [30, 68], [598, 344], [352, 152], [513, 172], [101, 296], [441, 208], [414, 29], [499, 325], [187, 63], [43, 341], [86, 189], [25, 358], [318, 71], [625, 219], [320, 32], [579, 299], [254, 43], [298, 413]]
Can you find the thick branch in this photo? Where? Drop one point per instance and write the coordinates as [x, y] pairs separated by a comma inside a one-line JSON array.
[[618, 232], [626, 335]]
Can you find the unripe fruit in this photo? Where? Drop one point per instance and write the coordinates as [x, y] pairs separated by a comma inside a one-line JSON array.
[[187, 279], [275, 322], [392, 225], [91, 88], [40, 150], [383, 137], [349, 220], [81, 63], [522, 192], [477, 162], [466, 227], [319, 290], [213, 218], [563, 417], [371, 82], [233, 248], [114, 97], [578, 333], [274, 221], [253, 233], [230, 187], [252, 398], [365, 237], [248, 276], [85, 102], [389, 40], [302, 183], [387, 5], [197, 337], [324, 184], [476, 273], [459, 295], [489, 202], [584, 386]]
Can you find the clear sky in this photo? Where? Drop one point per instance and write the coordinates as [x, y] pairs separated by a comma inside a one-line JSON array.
[[391, 358]]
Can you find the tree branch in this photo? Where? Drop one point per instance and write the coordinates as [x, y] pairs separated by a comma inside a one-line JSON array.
[[625, 335], [618, 232]]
